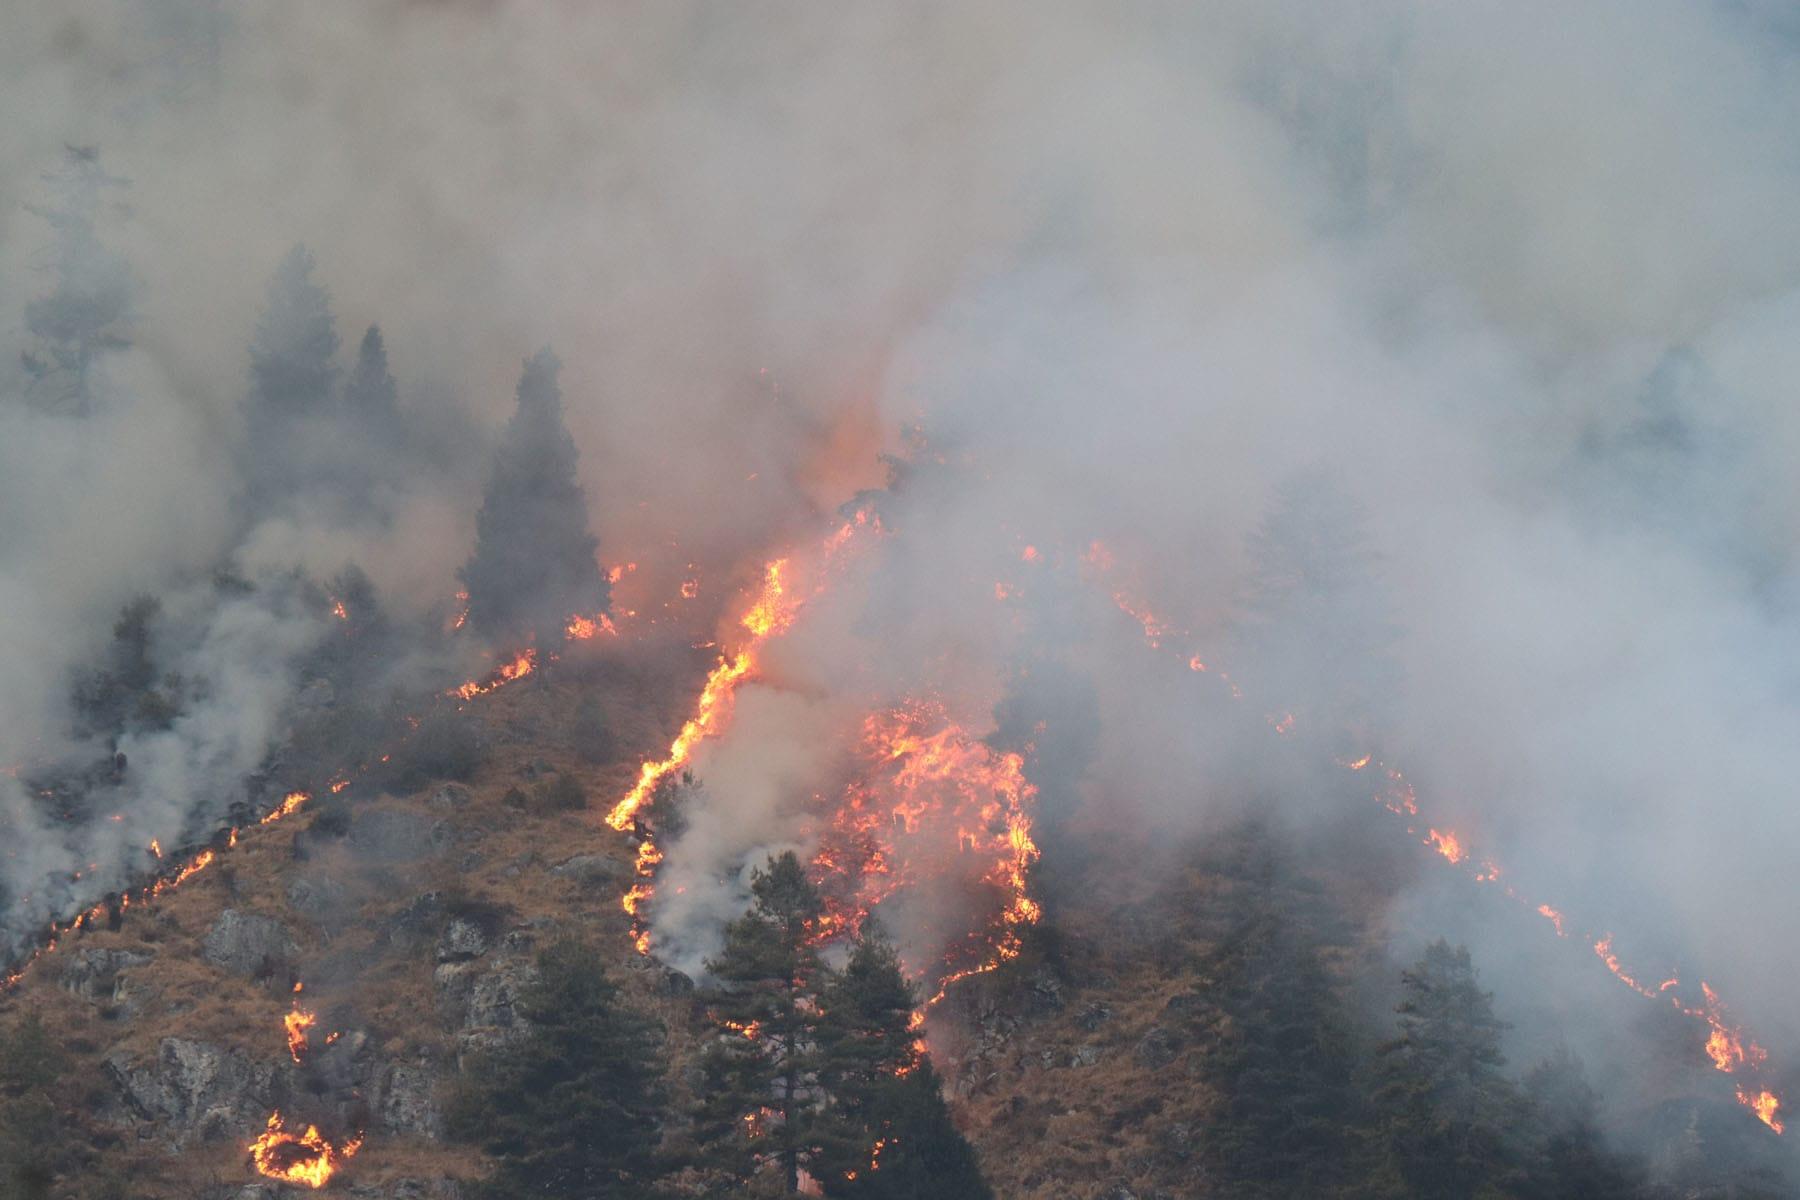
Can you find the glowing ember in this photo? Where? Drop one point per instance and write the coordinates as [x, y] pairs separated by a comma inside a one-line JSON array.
[[1554, 917], [305, 1158], [581, 629], [289, 804]]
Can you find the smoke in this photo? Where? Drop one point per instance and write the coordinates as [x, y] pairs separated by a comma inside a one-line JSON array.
[[1520, 279]]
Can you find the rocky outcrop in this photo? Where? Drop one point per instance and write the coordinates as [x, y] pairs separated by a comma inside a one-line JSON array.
[[320, 898], [461, 940], [592, 870], [407, 1102], [200, 1090], [247, 944], [97, 976]]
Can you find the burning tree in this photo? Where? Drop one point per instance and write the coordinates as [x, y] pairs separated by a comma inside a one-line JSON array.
[[887, 1132], [574, 1109], [534, 560], [763, 1097]]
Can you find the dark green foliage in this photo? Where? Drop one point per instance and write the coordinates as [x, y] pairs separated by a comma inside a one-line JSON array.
[[887, 1132], [534, 563], [1450, 1122], [923, 1156], [574, 1108], [766, 980], [1572, 1161], [124, 693], [30, 1065], [1286, 1062], [88, 308]]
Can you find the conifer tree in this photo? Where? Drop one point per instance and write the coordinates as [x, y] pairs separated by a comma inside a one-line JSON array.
[[1573, 1161], [922, 1155], [88, 308], [292, 372], [1450, 1119], [370, 395], [534, 563], [762, 1095], [1285, 1064], [574, 1109], [887, 1133]]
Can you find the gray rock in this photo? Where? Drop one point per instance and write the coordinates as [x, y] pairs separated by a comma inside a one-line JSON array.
[[417, 922], [1093, 1016], [451, 795], [1046, 992], [461, 940], [408, 1105], [200, 1089], [473, 996], [592, 870], [250, 945], [1084, 1056], [319, 898], [94, 975], [1156, 1050]]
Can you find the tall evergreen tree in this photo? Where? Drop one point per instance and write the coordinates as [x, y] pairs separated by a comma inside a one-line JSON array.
[[371, 398], [1286, 1062], [534, 564], [1450, 1121], [88, 307], [1572, 1161], [292, 371], [762, 1095], [575, 1108], [887, 1132]]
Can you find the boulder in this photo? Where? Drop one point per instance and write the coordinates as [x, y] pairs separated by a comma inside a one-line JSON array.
[[1155, 1050], [592, 870], [461, 940], [407, 1104], [250, 945], [450, 795], [200, 1089], [94, 975], [319, 898]]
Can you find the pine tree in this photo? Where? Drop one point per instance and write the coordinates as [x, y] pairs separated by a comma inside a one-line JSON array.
[[88, 308], [370, 394], [887, 1133], [575, 1108], [292, 372], [534, 564], [1573, 1161], [762, 1093], [1450, 1119], [1286, 1062]]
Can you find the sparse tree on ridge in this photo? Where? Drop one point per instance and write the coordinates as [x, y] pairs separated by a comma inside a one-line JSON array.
[[534, 564]]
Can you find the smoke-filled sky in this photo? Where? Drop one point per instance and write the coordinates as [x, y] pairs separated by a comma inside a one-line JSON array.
[[1524, 279]]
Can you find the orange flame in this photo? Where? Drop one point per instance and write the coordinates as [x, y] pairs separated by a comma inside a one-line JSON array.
[[521, 665], [304, 1158], [297, 1023], [581, 629]]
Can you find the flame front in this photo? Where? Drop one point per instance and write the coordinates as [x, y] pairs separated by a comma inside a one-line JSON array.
[[305, 1158]]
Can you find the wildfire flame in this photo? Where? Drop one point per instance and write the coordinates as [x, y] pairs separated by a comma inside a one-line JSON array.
[[581, 629], [521, 665], [305, 1158], [297, 1023]]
